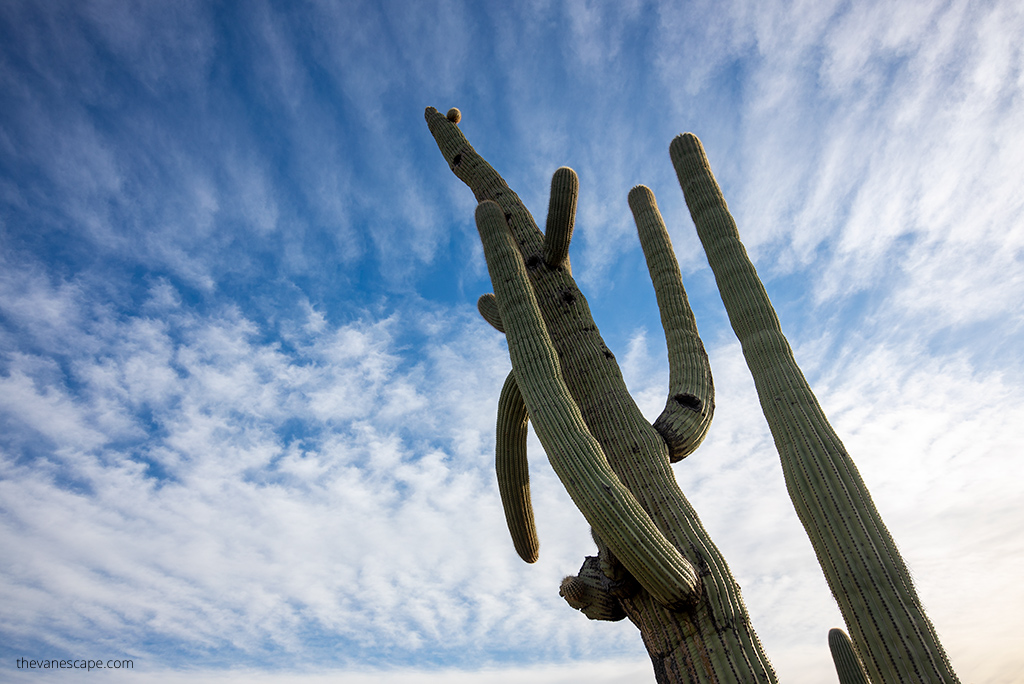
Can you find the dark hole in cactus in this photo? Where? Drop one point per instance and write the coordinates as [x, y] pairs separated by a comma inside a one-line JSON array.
[[534, 262], [456, 160], [701, 564], [508, 215], [688, 401], [608, 355], [568, 297]]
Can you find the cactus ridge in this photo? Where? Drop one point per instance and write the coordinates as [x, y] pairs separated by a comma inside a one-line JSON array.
[[863, 567], [614, 464]]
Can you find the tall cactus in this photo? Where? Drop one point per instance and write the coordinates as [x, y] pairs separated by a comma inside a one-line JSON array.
[[864, 569], [656, 564]]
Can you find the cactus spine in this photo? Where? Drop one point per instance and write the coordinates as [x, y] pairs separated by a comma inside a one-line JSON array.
[[861, 563], [656, 564]]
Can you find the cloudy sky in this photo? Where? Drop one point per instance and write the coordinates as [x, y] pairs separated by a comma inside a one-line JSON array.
[[246, 402]]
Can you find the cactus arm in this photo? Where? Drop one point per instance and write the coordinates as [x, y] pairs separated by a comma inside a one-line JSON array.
[[848, 666], [565, 190], [861, 563], [575, 454], [513, 470], [482, 179], [487, 305], [691, 396], [510, 462]]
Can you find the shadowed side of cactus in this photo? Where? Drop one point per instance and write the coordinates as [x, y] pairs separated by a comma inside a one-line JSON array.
[[861, 563], [656, 562]]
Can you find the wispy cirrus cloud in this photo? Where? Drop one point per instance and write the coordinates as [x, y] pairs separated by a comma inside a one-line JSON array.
[[248, 410]]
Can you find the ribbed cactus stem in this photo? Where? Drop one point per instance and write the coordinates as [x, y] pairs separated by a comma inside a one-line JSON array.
[[861, 563], [575, 455], [691, 395], [847, 663], [565, 190], [513, 470]]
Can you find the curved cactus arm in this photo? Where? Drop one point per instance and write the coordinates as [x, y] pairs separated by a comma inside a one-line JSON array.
[[575, 455], [691, 392], [514, 470], [858, 557], [565, 191], [847, 663], [487, 305]]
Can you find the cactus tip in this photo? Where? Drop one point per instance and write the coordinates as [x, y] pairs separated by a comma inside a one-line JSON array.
[[454, 115], [640, 193], [685, 143]]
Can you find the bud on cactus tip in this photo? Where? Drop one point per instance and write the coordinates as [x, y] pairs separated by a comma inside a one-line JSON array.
[[454, 115]]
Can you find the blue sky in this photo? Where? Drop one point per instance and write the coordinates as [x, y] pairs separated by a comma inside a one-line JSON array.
[[246, 402]]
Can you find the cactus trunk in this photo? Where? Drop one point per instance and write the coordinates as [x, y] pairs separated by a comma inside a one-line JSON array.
[[863, 567], [655, 560]]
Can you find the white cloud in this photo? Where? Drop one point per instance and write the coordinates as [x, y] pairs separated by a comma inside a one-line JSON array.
[[377, 526]]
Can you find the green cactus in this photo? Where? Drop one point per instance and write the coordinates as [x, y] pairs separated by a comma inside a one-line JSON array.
[[861, 563], [848, 666], [656, 564]]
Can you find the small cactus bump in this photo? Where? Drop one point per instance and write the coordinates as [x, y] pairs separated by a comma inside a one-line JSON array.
[[572, 590], [487, 305], [454, 115]]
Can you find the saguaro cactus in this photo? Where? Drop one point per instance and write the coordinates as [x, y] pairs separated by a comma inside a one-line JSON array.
[[867, 576], [656, 564]]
